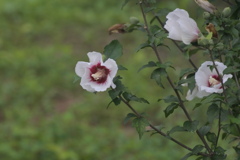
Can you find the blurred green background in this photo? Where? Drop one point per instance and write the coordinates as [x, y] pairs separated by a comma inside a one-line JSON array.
[[44, 115]]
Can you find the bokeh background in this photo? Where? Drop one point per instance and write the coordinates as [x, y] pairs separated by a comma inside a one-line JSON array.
[[45, 116]]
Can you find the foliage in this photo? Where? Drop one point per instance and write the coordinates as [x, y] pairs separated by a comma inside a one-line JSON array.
[[215, 82]]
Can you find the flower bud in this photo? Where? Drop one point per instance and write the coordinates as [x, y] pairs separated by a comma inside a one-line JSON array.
[[207, 6], [206, 15], [226, 12], [134, 20], [203, 41]]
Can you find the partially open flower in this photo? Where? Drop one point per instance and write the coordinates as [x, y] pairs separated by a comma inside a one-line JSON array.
[[96, 76], [181, 27]]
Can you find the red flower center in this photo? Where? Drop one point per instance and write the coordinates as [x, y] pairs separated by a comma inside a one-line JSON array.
[[99, 73], [213, 80]]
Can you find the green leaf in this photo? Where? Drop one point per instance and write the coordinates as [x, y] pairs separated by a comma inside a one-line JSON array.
[[197, 149], [128, 117], [120, 67], [191, 126], [113, 50], [211, 137], [157, 74], [176, 129], [163, 12], [76, 79], [186, 72], [169, 110], [140, 124], [131, 97], [212, 112], [150, 64], [141, 46], [171, 99], [230, 70], [124, 4], [186, 156], [204, 130]]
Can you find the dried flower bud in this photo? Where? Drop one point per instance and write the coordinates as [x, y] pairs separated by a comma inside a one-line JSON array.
[[206, 15], [134, 20], [211, 28], [207, 6], [226, 12], [117, 28]]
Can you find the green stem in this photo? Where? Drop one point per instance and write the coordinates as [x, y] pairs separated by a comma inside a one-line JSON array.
[[154, 47], [157, 130]]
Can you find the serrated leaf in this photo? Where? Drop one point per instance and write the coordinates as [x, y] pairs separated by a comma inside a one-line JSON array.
[[176, 129], [128, 117], [131, 97], [204, 130], [150, 64], [170, 109], [139, 124], [197, 149], [171, 99], [141, 46], [113, 50], [211, 137], [156, 75], [212, 112], [191, 126]]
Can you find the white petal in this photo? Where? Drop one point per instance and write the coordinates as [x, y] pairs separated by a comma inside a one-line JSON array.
[[112, 66], [177, 13], [103, 86], [95, 57], [189, 30], [191, 95], [81, 68], [173, 28], [86, 84]]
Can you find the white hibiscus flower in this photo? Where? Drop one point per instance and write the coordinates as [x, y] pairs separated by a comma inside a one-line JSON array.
[[208, 81], [96, 76]]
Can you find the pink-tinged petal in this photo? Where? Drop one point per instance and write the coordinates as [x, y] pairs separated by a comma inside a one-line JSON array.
[[112, 66], [189, 30], [81, 68], [95, 57], [102, 86]]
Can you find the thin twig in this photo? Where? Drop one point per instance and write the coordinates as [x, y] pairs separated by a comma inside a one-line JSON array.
[[189, 59], [157, 130], [172, 85], [219, 124]]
